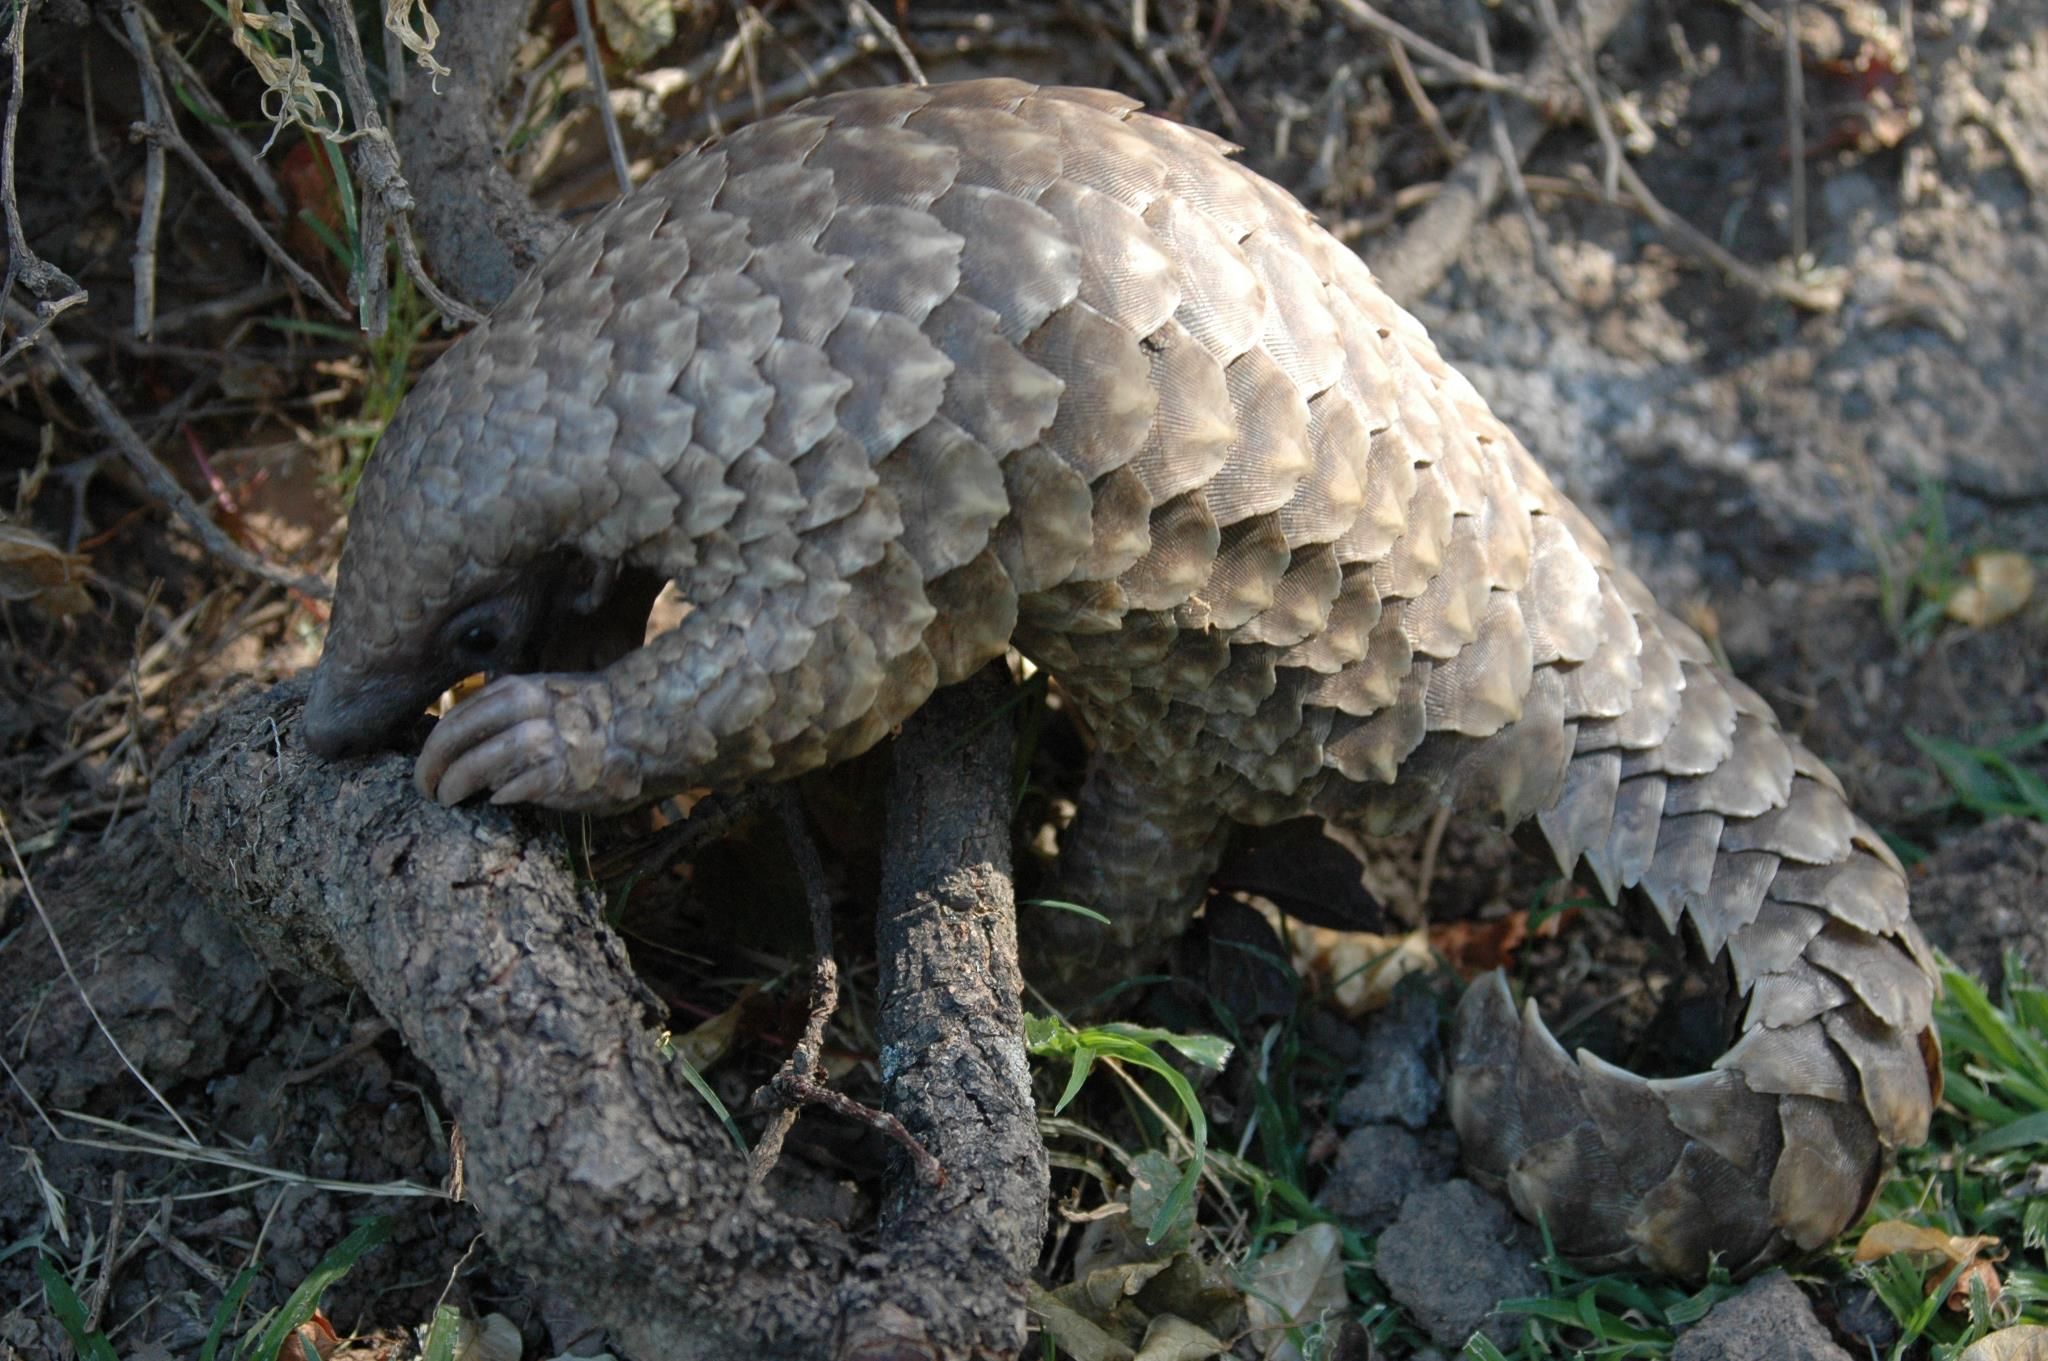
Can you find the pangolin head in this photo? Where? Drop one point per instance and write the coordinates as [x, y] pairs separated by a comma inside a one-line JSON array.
[[462, 554]]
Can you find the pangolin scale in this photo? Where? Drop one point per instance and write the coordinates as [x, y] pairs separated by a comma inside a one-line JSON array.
[[907, 376]]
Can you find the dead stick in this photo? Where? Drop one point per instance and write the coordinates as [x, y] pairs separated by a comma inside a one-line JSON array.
[[154, 475], [1413, 264], [950, 1029]]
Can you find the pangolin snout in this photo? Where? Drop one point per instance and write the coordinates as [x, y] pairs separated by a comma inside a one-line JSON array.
[[348, 715]]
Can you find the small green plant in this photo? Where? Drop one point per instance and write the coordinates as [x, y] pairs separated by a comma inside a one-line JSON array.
[[1918, 570], [90, 1343], [1605, 1314], [1979, 1173], [1989, 780], [339, 1261], [1050, 1037], [267, 1341]]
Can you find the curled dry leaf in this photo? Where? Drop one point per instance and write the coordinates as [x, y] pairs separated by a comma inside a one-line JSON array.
[[316, 1336], [34, 570], [1360, 968], [1999, 586], [1943, 1251], [1297, 1286]]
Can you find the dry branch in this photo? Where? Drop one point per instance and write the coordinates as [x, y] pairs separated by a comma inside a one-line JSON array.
[[1414, 263], [154, 475], [590, 1160], [479, 228]]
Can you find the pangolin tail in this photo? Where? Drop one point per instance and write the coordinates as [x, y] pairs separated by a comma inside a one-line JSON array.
[[1694, 801]]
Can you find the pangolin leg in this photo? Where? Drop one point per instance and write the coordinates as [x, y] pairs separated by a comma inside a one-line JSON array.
[[1139, 851]]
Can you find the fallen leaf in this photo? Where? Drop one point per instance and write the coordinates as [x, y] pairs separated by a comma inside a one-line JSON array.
[[314, 1337], [1889, 1237], [1298, 1285], [1077, 1336], [1944, 1253], [2025, 1342], [35, 570], [490, 1338], [1477, 947], [1999, 586], [1360, 968], [1175, 1339]]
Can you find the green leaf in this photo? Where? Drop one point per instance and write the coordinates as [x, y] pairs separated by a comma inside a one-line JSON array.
[[338, 1262], [1084, 1059], [90, 1343], [1090, 913], [443, 1334], [224, 1312], [697, 1083]]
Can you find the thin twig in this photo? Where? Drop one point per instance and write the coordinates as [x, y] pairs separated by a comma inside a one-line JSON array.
[[601, 95], [1511, 162], [1425, 107], [712, 119], [893, 38], [152, 218], [85, 998], [152, 472], [1362, 15], [166, 131], [1417, 259], [1814, 297], [217, 122], [54, 289], [103, 1284], [796, 1084], [386, 199], [1579, 67], [1795, 128]]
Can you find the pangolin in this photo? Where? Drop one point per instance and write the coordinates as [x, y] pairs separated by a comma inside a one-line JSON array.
[[907, 376]]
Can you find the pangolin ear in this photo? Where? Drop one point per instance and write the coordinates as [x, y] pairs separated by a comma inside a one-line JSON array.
[[599, 614], [586, 584]]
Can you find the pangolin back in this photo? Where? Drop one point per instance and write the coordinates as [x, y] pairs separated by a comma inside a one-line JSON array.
[[905, 376]]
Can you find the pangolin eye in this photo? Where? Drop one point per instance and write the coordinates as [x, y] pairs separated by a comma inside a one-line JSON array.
[[478, 639]]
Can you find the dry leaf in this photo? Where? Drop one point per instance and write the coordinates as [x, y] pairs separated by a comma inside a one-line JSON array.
[[2026, 1342], [1171, 1338], [1297, 1286], [706, 1044], [490, 1338], [1477, 947], [1999, 586], [1077, 1335], [34, 569], [1893, 1237], [316, 1334], [1360, 967]]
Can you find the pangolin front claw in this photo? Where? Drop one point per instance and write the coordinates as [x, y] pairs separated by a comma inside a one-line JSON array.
[[527, 739]]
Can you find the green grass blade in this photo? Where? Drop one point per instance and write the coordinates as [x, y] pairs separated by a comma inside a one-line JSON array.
[[90, 1343], [338, 1262]]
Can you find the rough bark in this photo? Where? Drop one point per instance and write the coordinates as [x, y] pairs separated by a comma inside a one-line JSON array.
[[591, 1162], [955, 1257], [478, 227]]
